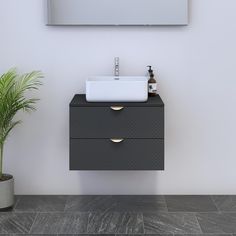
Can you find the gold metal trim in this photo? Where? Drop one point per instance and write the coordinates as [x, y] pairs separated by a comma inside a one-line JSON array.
[[117, 108], [117, 140]]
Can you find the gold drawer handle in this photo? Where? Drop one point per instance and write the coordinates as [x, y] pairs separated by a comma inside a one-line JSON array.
[[117, 140], [117, 108]]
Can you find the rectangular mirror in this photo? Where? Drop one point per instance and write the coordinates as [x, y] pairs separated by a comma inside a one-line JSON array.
[[117, 12]]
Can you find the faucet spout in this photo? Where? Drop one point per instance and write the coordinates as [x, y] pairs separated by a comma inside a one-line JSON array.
[[117, 66]]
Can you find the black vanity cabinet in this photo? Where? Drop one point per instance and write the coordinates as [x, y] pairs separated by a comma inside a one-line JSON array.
[[116, 136]]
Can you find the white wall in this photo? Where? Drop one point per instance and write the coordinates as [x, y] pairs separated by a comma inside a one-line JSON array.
[[197, 81]]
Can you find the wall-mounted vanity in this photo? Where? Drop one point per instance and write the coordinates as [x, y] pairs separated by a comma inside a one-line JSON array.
[[117, 12], [116, 135]]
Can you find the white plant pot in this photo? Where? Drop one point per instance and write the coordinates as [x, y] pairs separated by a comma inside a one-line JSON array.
[[7, 193]]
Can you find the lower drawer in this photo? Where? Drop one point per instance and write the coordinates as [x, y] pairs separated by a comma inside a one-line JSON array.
[[104, 154]]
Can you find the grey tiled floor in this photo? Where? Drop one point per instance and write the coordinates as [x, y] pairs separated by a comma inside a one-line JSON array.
[[119, 215]]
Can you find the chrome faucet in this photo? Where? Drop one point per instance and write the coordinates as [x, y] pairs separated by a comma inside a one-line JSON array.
[[117, 66]]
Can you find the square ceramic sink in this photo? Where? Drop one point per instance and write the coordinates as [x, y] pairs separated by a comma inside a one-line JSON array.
[[117, 89]]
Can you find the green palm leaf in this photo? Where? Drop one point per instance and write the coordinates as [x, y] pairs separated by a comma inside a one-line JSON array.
[[13, 88]]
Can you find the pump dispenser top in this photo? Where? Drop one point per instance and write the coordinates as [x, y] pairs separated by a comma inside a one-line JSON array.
[[150, 69]]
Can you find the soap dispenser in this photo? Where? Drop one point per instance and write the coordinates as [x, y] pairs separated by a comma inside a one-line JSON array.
[[152, 83]]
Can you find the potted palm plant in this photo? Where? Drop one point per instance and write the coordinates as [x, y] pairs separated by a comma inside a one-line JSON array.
[[12, 99]]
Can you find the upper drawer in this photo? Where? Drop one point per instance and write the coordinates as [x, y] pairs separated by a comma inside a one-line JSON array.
[[129, 122]]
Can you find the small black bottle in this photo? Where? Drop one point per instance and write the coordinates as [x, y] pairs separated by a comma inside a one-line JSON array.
[[152, 83]]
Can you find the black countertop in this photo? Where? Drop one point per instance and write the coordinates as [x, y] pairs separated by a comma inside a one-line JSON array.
[[79, 100]]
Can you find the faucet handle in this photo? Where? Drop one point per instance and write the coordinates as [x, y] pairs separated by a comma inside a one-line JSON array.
[[117, 60], [117, 66]]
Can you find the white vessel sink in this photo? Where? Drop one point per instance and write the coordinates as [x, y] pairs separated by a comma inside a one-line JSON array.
[[117, 89]]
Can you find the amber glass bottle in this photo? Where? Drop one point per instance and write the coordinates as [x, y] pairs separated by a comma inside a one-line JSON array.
[[152, 84]]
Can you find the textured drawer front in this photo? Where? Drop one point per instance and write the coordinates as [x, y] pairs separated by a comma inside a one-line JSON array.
[[130, 122], [103, 154]]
